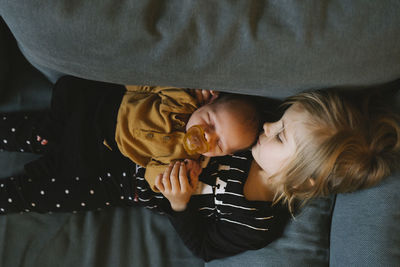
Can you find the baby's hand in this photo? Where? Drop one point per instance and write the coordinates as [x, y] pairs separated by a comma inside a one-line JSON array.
[[42, 141], [175, 186], [193, 168], [205, 96]]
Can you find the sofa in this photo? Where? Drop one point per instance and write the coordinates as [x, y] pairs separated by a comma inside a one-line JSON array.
[[267, 48]]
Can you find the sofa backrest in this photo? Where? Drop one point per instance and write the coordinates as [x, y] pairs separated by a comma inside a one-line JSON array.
[[270, 48]]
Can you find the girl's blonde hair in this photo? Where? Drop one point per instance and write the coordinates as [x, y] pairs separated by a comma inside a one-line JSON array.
[[350, 147]]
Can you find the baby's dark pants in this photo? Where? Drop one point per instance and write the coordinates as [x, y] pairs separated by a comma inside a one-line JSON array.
[[75, 171]]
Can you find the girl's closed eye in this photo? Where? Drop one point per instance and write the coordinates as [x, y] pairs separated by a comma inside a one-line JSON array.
[[278, 138]]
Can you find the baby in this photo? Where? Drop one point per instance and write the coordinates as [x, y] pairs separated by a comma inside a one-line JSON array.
[[147, 124], [152, 122]]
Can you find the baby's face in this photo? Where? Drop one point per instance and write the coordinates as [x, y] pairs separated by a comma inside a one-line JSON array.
[[224, 132]]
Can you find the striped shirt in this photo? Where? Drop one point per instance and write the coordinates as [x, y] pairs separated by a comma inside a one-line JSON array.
[[219, 221]]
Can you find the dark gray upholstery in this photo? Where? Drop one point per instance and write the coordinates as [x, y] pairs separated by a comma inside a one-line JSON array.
[[270, 48], [365, 227], [4, 62]]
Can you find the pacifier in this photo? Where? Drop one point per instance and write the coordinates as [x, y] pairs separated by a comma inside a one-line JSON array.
[[195, 141]]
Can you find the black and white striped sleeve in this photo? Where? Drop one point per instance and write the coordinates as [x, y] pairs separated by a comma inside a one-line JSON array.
[[210, 238]]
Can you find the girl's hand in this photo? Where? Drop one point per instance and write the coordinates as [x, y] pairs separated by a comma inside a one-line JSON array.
[[205, 96], [175, 186]]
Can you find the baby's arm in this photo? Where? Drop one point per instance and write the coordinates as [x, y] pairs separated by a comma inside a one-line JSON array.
[[175, 185], [193, 168]]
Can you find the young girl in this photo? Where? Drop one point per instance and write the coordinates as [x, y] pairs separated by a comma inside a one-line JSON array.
[[323, 144]]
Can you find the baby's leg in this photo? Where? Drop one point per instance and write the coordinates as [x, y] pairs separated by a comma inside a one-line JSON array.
[[37, 190], [19, 131]]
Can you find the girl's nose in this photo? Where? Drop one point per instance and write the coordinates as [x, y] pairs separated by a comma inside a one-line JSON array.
[[270, 128], [267, 128]]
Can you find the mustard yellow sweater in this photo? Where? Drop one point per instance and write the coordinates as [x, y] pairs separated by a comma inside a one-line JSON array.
[[151, 125]]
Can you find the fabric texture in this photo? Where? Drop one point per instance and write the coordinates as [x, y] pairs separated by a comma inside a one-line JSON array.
[[271, 48], [374, 239], [4, 55], [112, 237]]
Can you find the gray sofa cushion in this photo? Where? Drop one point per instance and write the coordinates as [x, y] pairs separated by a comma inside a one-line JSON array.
[[272, 48], [22, 85], [4, 60], [365, 227], [305, 242], [110, 238]]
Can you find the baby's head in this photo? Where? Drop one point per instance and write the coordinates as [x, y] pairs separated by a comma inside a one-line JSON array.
[[347, 147], [231, 123]]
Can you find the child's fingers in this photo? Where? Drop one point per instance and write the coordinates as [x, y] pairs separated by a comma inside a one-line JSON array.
[[199, 96], [165, 179], [183, 179], [194, 167], [194, 181], [188, 164], [174, 176], [206, 95], [197, 169], [158, 183], [214, 95]]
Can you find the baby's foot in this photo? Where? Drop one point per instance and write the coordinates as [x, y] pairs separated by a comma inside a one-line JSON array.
[[42, 141]]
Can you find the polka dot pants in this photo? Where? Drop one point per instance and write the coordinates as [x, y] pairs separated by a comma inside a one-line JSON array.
[[41, 188], [18, 131]]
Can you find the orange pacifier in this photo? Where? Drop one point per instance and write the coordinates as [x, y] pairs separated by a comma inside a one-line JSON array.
[[195, 141]]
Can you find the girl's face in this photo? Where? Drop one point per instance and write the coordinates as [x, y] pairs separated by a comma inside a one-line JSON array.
[[277, 144]]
